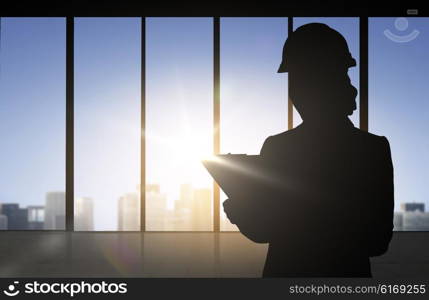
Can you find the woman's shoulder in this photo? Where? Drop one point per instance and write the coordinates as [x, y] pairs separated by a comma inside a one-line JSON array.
[[371, 137], [278, 141]]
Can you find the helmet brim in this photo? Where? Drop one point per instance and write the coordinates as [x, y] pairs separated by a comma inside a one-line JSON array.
[[284, 69]]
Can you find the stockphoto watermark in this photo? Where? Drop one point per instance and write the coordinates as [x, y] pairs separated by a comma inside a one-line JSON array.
[[401, 27], [70, 288]]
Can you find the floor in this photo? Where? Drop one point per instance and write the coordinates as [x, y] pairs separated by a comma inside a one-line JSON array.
[[84, 254]]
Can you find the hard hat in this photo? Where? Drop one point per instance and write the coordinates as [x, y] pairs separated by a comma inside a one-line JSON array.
[[315, 45]]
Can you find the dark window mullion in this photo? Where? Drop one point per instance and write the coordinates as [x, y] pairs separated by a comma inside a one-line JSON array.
[[143, 128], [216, 117], [289, 102], [69, 124], [363, 73]]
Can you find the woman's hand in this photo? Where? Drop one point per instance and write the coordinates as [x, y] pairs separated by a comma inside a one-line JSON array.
[[241, 214], [233, 210]]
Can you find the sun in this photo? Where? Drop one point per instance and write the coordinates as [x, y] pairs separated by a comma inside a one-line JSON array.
[[191, 150], [181, 159]]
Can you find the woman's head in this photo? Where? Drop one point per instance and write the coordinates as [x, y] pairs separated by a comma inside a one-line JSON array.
[[317, 59], [322, 94]]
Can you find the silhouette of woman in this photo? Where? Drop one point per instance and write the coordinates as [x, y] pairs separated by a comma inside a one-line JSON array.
[[336, 209]]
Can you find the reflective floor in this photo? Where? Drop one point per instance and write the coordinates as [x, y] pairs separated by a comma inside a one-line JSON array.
[[98, 254]]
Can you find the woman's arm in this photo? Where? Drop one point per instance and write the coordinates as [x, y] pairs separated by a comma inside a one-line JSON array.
[[381, 220], [252, 216]]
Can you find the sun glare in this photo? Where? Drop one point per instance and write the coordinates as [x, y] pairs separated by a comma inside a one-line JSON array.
[[182, 160]]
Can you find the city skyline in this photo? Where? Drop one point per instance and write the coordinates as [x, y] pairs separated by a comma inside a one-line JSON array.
[[191, 211]]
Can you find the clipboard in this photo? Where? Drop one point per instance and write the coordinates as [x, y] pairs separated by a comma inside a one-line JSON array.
[[241, 175]]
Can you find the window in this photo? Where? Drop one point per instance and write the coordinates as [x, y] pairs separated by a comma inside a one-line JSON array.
[[32, 123], [253, 95], [107, 123], [179, 90], [399, 110], [179, 123]]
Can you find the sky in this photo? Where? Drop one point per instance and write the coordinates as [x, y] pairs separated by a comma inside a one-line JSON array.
[[179, 86], [32, 109], [107, 113], [399, 102], [179, 112]]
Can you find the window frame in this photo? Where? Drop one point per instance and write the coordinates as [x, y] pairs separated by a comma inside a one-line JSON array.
[[69, 147], [363, 114]]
